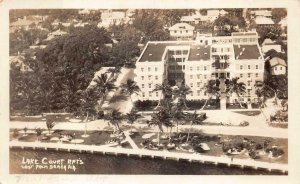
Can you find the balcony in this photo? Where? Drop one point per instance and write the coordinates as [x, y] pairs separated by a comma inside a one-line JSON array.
[[249, 87]]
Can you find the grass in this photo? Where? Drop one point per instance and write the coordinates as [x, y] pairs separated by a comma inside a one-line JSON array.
[[212, 140], [234, 106], [248, 113]]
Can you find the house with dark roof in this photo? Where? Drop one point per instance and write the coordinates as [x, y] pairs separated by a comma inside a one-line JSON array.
[[182, 31]]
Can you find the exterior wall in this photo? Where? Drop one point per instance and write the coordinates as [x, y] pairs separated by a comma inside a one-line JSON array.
[[148, 74], [182, 33], [278, 70], [266, 48], [249, 71], [197, 74]]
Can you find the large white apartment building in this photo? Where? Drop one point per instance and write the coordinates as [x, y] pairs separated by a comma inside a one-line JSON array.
[[198, 61]]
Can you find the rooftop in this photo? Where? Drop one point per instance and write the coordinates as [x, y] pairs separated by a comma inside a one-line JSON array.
[[246, 52], [263, 20], [277, 61], [182, 26], [155, 51]]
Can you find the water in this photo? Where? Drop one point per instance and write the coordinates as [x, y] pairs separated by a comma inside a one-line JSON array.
[[106, 164]]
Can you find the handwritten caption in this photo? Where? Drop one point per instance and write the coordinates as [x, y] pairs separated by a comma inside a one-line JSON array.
[[51, 164]]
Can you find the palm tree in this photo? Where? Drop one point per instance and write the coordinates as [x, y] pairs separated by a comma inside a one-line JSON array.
[[159, 119], [114, 71], [132, 117], [114, 118], [50, 124], [238, 88], [165, 89], [181, 93], [212, 90], [104, 85], [262, 93], [177, 115], [194, 119], [38, 133], [130, 88]]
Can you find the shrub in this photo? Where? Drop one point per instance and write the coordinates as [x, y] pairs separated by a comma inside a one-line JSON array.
[[276, 152], [146, 105], [258, 146], [253, 154], [244, 123], [239, 146], [15, 133]]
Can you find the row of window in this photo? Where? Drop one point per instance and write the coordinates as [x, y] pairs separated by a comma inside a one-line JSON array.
[[244, 40], [149, 69], [150, 77], [248, 75], [178, 52], [221, 49], [186, 31], [150, 94], [248, 67], [199, 76], [205, 67]]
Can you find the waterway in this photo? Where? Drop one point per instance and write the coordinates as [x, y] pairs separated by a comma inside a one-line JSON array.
[[107, 164]]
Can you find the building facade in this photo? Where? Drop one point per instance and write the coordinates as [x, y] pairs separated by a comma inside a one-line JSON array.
[[198, 61]]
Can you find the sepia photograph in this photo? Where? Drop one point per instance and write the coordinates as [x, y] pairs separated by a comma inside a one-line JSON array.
[[155, 91], [148, 91]]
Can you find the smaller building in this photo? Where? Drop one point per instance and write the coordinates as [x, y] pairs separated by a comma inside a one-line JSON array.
[[268, 44], [55, 34], [263, 13], [277, 66], [110, 17], [263, 21], [84, 12], [182, 31]]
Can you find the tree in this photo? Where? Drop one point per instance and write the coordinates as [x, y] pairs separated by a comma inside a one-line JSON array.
[[130, 88], [238, 88], [115, 118], [104, 85], [278, 14], [38, 133], [132, 116], [165, 89], [212, 90], [49, 123], [181, 93], [177, 115], [273, 33], [159, 119], [194, 119]]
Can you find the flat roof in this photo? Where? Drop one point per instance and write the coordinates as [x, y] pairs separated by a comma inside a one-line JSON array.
[[246, 52], [243, 33], [155, 50]]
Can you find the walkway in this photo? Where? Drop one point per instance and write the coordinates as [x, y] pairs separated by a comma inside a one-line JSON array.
[[131, 142], [149, 153]]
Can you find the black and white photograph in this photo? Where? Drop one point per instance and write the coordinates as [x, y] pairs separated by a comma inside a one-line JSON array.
[[149, 91]]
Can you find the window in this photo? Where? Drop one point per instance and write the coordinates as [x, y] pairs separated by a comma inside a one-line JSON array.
[[156, 93], [191, 85], [178, 60], [256, 66], [198, 76], [249, 90], [149, 69], [155, 69], [241, 67], [143, 85], [149, 85], [186, 31], [256, 75], [175, 31], [198, 92], [214, 49], [149, 77], [191, 76], [185, 52], [142, 69], [178, 52], [192, 94], [171, 52], [241, 75], [281, 68], [249, 75], [143, 94], [248, 83], [275, 68], [204, 76], [191, 68], [150, 94], [180, 32], [198, 68], [205, 68], [143, 77], [198, 84], [156, 77], [249, 67]]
